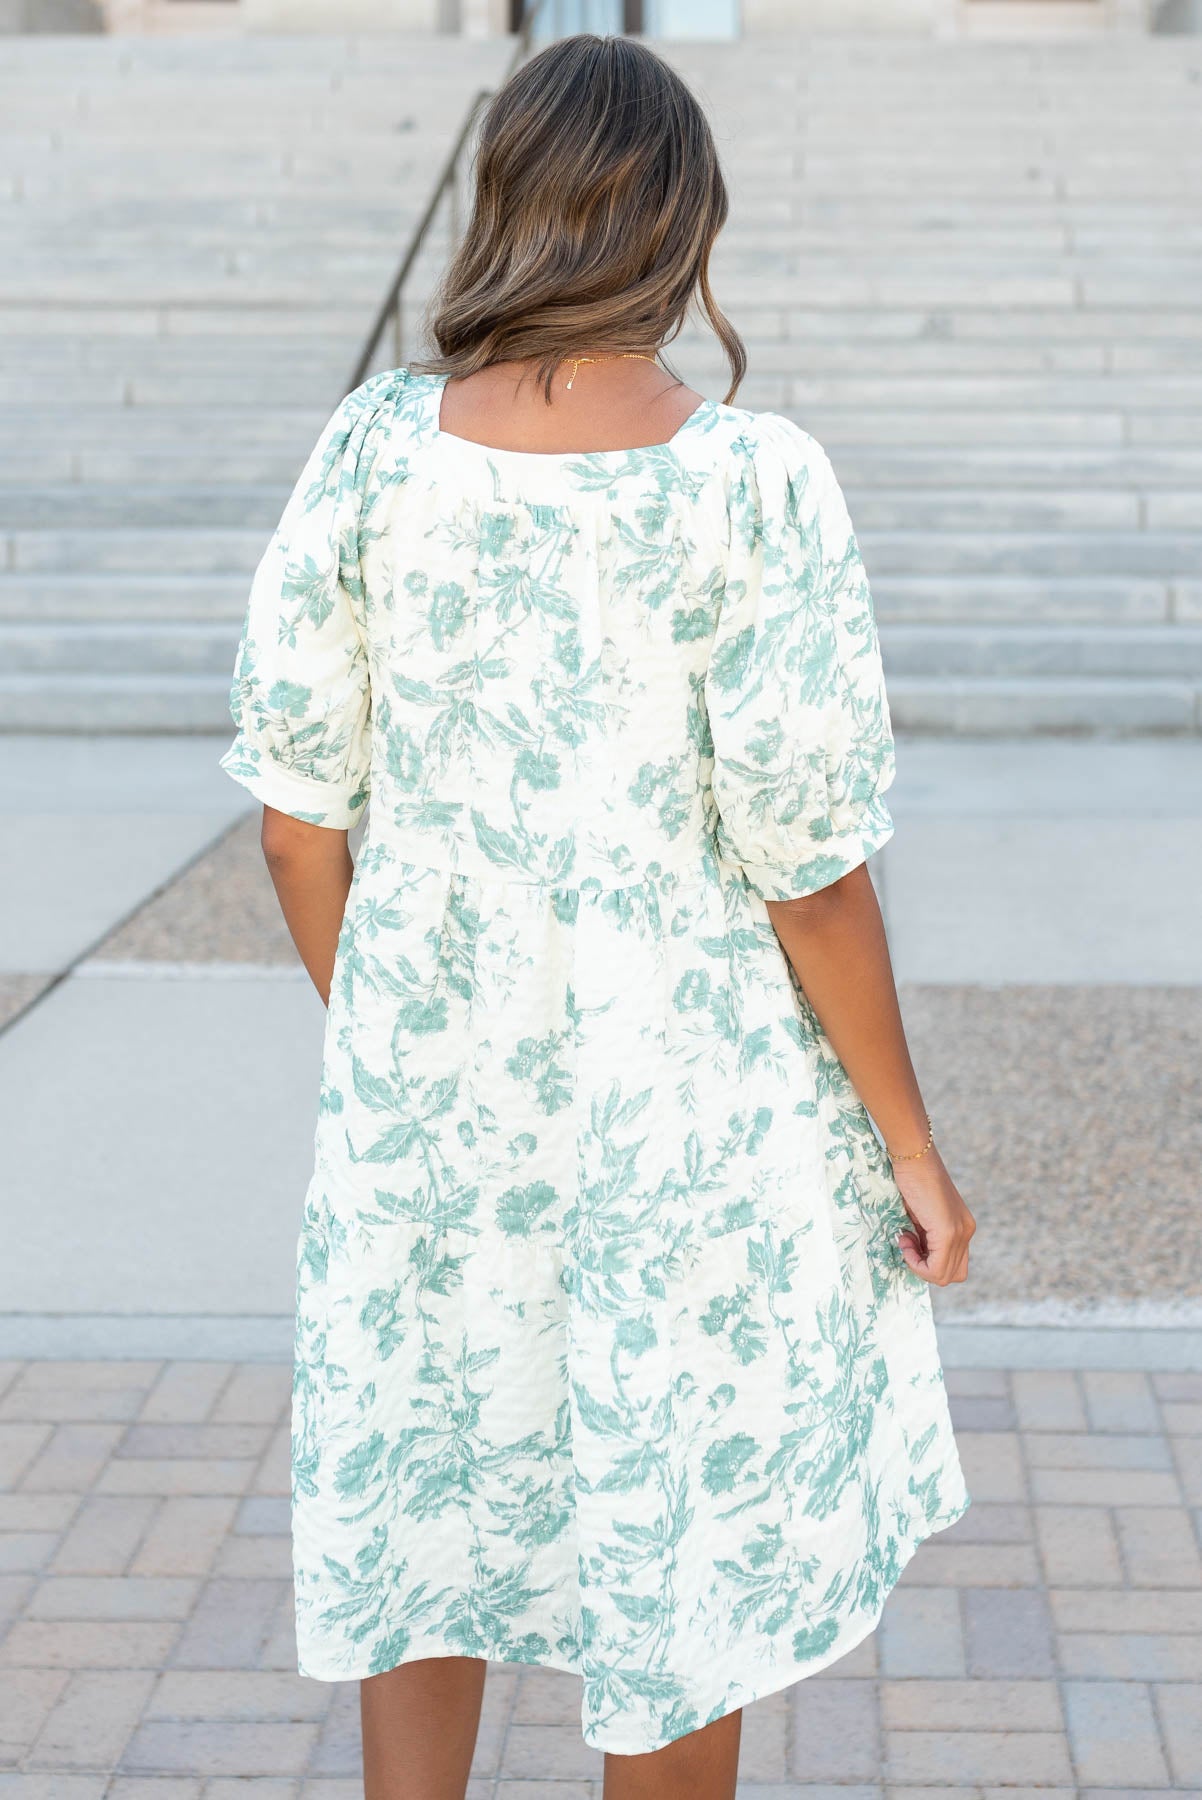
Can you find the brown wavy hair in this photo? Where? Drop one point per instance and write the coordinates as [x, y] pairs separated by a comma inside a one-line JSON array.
[[598, 197]]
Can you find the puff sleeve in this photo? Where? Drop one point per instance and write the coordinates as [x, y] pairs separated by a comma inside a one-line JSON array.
[[803, 747], [301, 696]]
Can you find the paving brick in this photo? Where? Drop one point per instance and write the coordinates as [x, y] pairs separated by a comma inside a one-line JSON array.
[[14, 1595], [93, 1721], [1187, 1453], [547, 1697], [1131, 1656], [71, 1459], [37, 1512], [254, 1556], [104, 1535], [202, 1442], [988, 1522], [185, 1535], [1178, 1384], [26, 1698], [1104, 1487], [1182, 1418], [920, 1633], [161, 1788], [1180, 1707], [53, 1377], [992, 1465], [229, 1748], [158, 1787], [1123, 1609], [71, 1404], [1120, 1793], [279, 1651], [113, 1597], [185, 1393], [1008, 1634], [264, 1515], [972, 1565], [1113, 1732], [1159, 1548], [53, 1787], [248, 1694], [1096, 1450], [44, 1644], [970, 1705], [861, 1661], [257, 1394], [263, 1788], [1119, 1400], [175, 1475], [981, 1412], [991, 1384], [763, 1748], [229, 1626], [549, 1753], [1022, 1793], [836, 1731], [1078, 1546], [274, 1475], [20, 1445], [340, 1748], [1048, 1400], [1038, 1757], [26, 1552], [511, 1789]]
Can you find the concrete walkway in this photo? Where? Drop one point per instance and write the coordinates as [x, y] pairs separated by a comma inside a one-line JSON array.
[[159, 1094]]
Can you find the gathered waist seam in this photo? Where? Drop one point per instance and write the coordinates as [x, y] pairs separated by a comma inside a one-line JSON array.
[[700, 854]]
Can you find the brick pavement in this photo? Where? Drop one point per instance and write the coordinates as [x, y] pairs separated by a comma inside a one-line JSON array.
[[1050, 1641]]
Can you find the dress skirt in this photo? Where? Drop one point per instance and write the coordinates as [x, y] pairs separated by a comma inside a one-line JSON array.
[[607, 1359]]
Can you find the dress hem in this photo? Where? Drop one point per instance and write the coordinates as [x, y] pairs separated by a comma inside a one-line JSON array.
[[858, 1629]]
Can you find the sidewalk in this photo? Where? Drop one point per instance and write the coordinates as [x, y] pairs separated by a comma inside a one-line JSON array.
[[158, 1099], [1050, 1641], [1041, 903]]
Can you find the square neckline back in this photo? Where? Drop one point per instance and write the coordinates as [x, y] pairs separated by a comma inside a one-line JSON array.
[[438, 385]]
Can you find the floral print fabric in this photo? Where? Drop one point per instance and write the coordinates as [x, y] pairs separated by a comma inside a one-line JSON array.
[[606, 1357]]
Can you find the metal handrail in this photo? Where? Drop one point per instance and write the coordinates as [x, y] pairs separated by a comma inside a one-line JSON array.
[[392, 308]]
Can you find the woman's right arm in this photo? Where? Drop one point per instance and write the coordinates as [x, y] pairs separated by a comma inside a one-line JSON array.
[[835, 941]]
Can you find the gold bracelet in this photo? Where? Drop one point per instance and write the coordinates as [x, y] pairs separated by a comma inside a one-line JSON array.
[[915, 1154]]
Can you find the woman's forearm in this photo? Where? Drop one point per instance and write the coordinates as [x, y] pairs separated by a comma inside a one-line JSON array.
[[311, 869], [835, 940]]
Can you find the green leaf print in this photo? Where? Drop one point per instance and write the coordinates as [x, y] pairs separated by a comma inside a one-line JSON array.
[[604, 1357]]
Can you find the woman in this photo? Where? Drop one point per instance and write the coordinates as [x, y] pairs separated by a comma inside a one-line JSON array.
[[614, 1343]]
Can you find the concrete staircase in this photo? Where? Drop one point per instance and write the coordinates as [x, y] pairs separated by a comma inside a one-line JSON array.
[[194, 235], [972, 270]]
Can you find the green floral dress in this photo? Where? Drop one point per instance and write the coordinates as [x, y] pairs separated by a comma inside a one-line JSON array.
[[607, 1358]]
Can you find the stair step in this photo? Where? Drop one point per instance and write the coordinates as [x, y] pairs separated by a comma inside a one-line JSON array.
[[1007, 652], [43, 600], [200, 648], [119, 650], [1020, 600], [158, 703], [114, 506], [1015, 707]]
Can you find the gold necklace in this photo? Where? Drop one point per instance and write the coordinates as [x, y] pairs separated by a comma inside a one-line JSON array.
[[617, 356]]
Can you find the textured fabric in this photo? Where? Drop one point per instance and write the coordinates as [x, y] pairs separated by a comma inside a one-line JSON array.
[[607, 1358]]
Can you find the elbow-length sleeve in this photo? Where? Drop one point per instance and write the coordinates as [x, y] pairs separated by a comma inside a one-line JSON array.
[[301, 696], [802, 741]]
